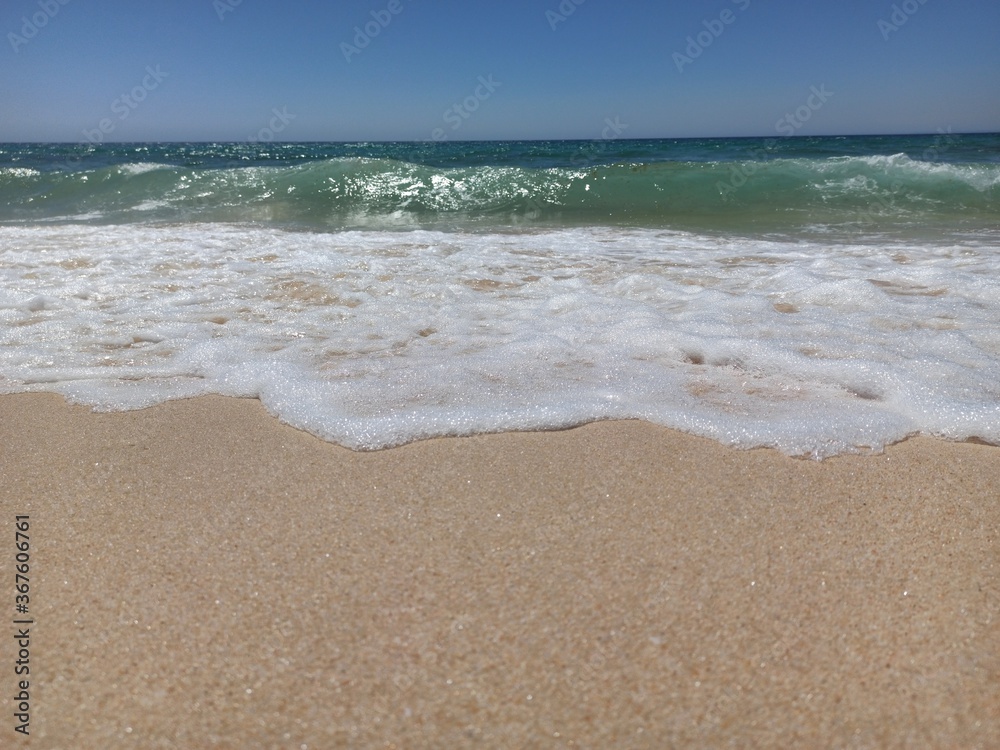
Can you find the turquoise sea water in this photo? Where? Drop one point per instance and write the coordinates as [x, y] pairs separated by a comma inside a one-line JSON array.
[[818, 295], [745, 184]]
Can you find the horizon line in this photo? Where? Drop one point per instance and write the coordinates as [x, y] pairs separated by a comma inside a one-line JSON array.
[[514, 140]]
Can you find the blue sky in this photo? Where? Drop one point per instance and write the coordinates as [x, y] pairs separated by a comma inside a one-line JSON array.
[[77, 70]]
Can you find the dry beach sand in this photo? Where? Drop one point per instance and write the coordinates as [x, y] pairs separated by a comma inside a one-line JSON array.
[[204, 576]]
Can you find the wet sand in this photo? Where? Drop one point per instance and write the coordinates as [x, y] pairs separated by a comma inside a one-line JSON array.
[[204, 576]]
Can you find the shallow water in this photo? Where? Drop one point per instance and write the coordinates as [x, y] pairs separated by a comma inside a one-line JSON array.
[[838, 300]]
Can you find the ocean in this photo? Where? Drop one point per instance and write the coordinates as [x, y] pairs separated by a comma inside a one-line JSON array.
[[820, 296]]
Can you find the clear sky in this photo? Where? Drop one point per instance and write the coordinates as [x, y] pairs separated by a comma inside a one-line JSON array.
[[299, 70]]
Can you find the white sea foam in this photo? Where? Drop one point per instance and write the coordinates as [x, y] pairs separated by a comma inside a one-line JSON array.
[[377, 338], [137, 168], [18, 172]]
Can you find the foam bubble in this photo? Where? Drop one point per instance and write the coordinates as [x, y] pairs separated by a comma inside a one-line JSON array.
[[376, 338]]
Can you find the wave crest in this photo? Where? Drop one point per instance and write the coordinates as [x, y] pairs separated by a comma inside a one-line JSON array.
[[356, 192]]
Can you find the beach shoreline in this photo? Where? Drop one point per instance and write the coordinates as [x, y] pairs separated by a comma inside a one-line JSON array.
[[206, 576]]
